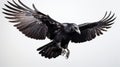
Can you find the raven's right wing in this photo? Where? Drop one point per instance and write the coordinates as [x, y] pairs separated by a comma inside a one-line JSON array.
[[32, 23], [89, 31]]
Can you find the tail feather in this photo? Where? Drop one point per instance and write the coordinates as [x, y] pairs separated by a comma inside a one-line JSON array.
[[50, 50]]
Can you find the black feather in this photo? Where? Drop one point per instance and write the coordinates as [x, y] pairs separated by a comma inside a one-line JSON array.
[[37, 25]]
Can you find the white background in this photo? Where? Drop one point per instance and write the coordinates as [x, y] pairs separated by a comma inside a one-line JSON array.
[[17, 50]]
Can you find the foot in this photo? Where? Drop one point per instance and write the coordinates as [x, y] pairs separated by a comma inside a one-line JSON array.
[[63, 51], [67, 53]]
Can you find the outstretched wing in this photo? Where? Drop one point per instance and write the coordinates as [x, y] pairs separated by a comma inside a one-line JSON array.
[[90, 30], [32, 23]]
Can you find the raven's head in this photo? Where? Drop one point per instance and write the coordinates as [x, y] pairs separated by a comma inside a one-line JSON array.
[[71, 27], [75, 28]]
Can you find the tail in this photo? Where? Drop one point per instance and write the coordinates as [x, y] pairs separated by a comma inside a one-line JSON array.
[[50, 50]]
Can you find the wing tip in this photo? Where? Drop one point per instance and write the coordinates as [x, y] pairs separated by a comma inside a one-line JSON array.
[[108, 17]]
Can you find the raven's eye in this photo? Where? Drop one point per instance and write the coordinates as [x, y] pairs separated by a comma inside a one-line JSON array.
[[75, 28]]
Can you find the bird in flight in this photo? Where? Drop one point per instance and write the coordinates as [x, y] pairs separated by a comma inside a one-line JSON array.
[[37, 25]]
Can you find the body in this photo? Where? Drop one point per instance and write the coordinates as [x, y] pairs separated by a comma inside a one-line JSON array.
[[60, 41], [37, 25]]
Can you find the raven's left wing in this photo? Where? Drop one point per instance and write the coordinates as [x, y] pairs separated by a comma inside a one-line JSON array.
[[32, 23], [90, 30]]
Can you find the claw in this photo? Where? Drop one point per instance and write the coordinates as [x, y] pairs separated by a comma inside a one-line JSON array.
[[63, 52], [67, 54]]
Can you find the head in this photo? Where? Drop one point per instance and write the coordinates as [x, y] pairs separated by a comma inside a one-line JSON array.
[[71, 27], [75, 28]]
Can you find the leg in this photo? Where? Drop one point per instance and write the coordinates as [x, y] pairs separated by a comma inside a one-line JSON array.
[[63, 50], [68, 53]]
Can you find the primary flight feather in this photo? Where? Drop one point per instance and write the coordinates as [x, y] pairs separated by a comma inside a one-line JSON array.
[[37, 25]]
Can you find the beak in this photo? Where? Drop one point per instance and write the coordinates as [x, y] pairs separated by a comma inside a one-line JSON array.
[[78, 31]]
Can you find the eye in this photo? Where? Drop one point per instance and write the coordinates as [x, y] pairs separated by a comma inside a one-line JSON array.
[[75, 28]]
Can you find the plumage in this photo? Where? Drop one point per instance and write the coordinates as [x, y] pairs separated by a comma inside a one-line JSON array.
[[37, 25]]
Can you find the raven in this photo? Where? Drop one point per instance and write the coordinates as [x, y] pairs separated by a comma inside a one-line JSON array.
[[37, 25]]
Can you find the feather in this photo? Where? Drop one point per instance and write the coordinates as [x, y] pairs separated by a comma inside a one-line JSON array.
[[90, 30], [24, 5], [9, 10], [12, 8], [20, 7]]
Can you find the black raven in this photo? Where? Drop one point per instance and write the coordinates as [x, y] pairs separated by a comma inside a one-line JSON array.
[[38, 25]]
